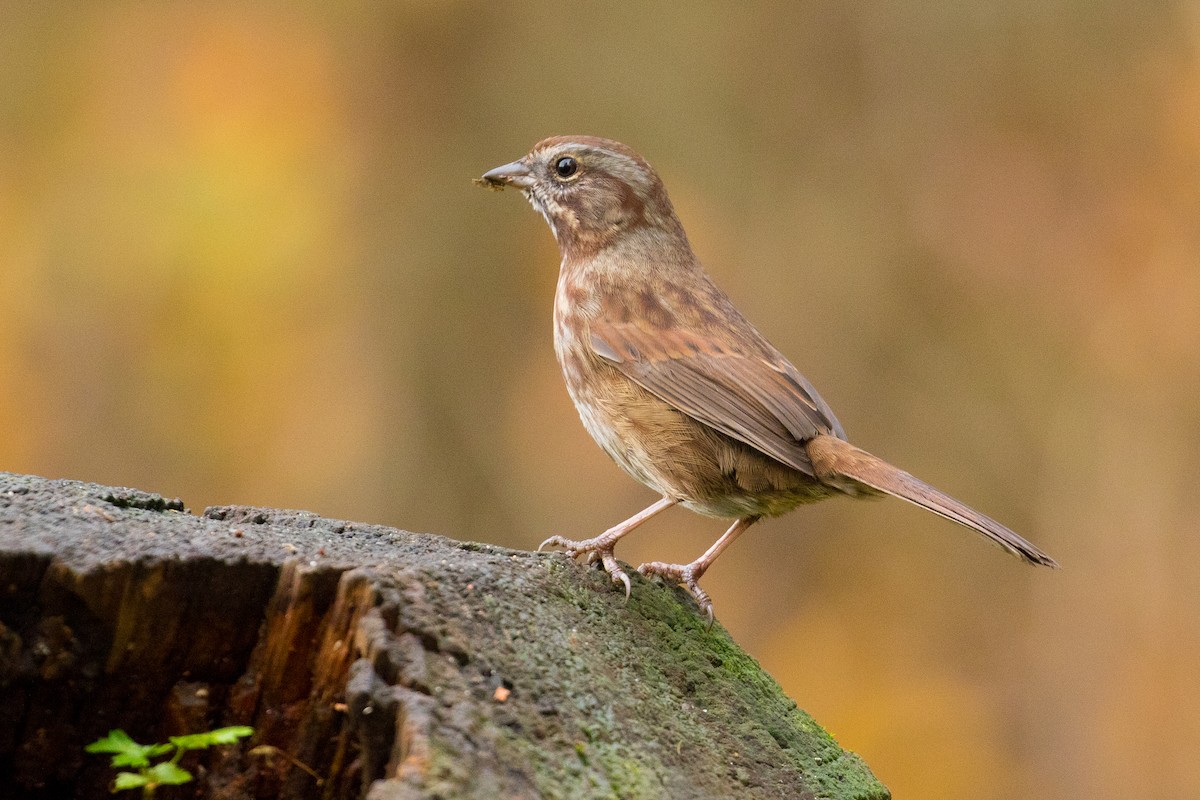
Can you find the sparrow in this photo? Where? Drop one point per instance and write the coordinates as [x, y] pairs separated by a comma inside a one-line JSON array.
[[673, 382]]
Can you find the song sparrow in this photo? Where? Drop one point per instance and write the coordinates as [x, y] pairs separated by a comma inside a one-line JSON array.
[[673, 382]]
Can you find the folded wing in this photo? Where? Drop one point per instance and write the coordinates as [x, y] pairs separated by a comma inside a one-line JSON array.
[[766, 404]]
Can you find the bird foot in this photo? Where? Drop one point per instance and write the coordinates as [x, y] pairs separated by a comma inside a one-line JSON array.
[[599, 547], [685, 575]]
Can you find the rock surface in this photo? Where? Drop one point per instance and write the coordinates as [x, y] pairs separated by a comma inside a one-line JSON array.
[[369, 661]]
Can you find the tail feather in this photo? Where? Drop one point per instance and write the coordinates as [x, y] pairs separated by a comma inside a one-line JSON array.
[[834, 460]]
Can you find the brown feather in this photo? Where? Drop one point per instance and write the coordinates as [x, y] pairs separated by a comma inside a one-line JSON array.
[[835, 460], [743, 396]]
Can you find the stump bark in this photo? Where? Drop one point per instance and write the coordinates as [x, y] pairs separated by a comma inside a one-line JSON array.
[[371, 662]]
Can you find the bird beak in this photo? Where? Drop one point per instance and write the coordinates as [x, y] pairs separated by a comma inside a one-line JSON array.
[[515, 174]]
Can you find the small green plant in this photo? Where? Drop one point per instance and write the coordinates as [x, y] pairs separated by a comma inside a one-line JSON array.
[[128, 753]]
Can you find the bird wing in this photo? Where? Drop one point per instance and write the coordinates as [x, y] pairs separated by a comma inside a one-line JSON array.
[[765, 403]]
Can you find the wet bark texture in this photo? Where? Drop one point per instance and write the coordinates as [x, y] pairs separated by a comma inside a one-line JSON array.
[[370, 662]]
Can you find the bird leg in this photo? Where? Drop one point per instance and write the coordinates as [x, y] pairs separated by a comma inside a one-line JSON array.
[[688, 575], [602, 546]]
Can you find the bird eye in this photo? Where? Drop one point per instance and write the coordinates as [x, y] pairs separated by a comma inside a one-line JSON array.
[[566, 166]]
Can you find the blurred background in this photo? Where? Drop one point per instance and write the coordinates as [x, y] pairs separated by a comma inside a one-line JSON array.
[[242, 261]]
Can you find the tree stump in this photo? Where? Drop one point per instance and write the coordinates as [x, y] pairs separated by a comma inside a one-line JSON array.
[[371, 662]]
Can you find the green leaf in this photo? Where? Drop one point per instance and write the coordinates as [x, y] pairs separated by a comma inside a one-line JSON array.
[[140, 757], [199, 741], [231, 734], [168, 773], [129, 780], [131, 760], [117, 741], [127, 752]]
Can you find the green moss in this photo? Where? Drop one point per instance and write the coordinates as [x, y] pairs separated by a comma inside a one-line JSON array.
[[642, 700]]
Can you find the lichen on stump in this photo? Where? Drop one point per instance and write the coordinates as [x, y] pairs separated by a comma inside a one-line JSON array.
[[390, 664]]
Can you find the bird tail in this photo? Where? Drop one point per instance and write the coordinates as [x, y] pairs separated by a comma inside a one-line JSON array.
[[834, 460]]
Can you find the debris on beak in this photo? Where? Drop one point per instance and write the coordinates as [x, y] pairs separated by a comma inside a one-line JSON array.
[[514, 174]]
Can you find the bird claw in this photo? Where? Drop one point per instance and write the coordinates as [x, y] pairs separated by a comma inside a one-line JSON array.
[[592, 549], [616, 573], [685, 575]]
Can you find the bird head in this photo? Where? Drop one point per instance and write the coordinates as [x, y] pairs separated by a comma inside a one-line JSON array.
[[593, 192]]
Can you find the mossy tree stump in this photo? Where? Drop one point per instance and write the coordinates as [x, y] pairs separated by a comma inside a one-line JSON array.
[[387, 664]]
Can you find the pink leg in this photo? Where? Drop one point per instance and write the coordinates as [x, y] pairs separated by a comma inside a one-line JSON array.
[[602, 546], [688, 575]]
